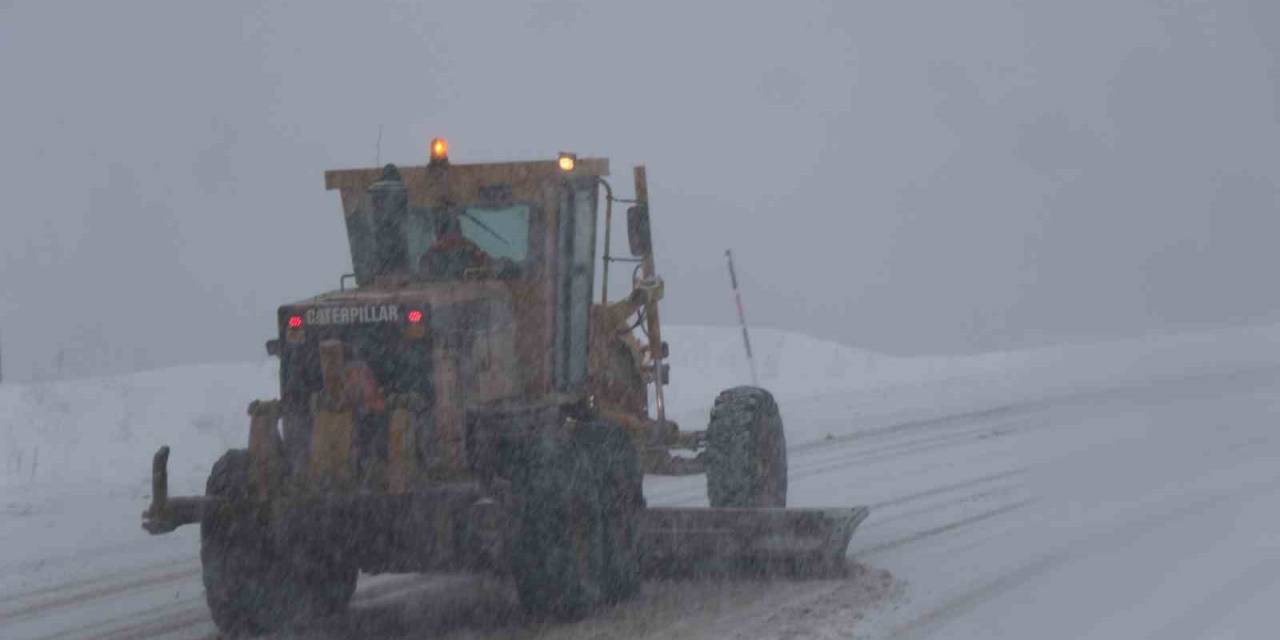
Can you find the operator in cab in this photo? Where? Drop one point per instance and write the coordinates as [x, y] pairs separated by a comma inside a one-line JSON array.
[[452, 254]]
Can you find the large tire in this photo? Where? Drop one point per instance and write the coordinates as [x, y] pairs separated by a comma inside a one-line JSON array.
[[234, 553], [621, 487], [557, 557], [251, 586], [746, 452]]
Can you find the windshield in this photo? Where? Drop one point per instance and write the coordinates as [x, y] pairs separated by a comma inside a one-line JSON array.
[[441, 243], [502, 233], [446, 244]]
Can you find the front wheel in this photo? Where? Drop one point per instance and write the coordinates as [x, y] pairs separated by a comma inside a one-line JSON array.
[[252, 586], [746, 452]]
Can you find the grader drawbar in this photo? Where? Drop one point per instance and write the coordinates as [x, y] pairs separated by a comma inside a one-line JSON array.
[[470, 405]]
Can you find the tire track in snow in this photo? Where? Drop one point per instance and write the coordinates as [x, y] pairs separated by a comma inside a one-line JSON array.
[[79, 556], [1261, 375], [963, 500], [193, 612], [99, 578], [148, 623], [83, 592], [968, 600], [149, 632], [904, 444], [929, 493], [974, 436], [958, 419], [931, 532]]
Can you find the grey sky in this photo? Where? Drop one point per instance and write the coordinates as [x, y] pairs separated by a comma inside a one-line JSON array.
[[906, 176]]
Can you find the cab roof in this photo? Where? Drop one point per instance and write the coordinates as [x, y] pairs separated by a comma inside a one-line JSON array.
[[423, 179]]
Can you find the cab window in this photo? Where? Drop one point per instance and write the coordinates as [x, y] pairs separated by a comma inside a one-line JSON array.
[[500, 232]]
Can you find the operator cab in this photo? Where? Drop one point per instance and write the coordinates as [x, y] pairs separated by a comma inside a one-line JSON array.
[[400, 238], [499, 256], [443, 222]]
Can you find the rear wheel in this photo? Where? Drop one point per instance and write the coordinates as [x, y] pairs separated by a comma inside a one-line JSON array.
[[621, 486], [746, 452], [251, 586], [557, 556]]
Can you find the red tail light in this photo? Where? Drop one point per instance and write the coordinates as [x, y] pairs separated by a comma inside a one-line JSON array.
[[295, 322], [414, 317]]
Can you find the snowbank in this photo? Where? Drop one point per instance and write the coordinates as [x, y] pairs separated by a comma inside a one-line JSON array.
[[828, 389], [104, 430]]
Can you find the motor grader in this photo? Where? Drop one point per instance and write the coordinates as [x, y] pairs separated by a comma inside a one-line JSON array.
[[468, 404]]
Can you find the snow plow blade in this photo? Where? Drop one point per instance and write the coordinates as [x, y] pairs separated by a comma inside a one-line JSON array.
[[678, 542]]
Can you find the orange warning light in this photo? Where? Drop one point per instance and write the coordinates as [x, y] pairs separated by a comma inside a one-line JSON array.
[[439, 150]]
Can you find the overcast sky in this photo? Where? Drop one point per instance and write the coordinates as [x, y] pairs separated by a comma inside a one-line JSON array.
[[912, 177]]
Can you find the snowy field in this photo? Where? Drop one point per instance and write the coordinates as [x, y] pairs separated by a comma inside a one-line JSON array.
[[1118, 490]]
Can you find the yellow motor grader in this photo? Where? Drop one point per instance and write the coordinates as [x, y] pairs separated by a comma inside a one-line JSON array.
[[467, 404]]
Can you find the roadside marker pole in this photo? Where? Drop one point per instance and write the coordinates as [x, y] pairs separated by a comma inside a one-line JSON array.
[[742, 317]]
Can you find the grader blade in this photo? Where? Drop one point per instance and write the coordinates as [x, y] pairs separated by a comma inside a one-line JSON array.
[[699, 541]]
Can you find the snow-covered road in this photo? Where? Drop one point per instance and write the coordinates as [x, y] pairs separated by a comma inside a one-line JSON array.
[[1145, 507], [1146, 512]]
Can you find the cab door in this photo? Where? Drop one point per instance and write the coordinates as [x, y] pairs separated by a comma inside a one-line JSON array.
[[574, 279]]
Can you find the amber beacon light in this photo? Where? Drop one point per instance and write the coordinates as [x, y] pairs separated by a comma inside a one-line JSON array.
[[439, 150]]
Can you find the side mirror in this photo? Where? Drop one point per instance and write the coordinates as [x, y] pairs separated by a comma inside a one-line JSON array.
[[273, 347], [638, 230]]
